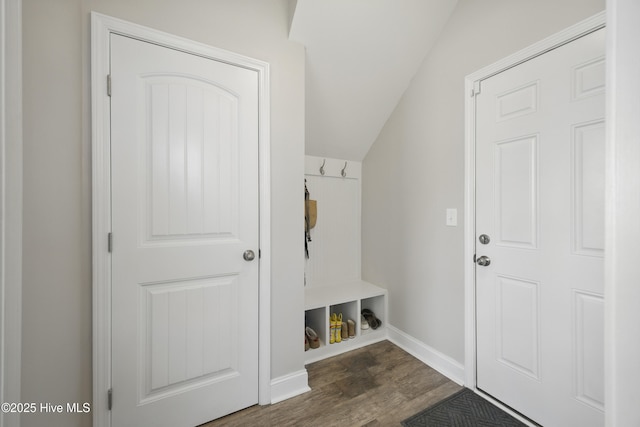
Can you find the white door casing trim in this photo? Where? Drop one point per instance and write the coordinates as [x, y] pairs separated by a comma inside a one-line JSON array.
[[472, 83], [101, 28], [622, 270], [10, 206]]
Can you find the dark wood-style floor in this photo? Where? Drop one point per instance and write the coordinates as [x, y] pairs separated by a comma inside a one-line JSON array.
[[377, 385]]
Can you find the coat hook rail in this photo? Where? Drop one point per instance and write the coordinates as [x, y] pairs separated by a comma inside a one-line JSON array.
[[322, 167], [343, 172]]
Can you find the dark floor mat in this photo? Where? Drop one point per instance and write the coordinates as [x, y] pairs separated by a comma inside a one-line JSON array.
[[463, 409]]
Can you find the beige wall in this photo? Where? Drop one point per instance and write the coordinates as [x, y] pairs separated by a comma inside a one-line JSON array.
[[415, 169], [57, 340]]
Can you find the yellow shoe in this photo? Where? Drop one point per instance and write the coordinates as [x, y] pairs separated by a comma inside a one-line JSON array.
[[333, 324], [339, 328]]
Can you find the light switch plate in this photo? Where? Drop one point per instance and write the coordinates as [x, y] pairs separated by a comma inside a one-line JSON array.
[[452, 217]]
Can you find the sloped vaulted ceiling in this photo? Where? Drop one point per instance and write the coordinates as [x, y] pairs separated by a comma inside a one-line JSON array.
[[361, 56]]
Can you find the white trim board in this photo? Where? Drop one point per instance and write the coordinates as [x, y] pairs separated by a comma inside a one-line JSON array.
[[101, 28], [472, 82], [10, 206], [427, 355], [288, 386], [332, 167], [622, 271]]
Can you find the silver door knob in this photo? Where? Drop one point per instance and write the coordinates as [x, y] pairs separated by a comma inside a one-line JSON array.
[[484, 261], [249, 255]]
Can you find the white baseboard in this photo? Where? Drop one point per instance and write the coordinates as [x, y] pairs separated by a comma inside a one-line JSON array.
[[288, 386], [430, 356], [296, 383]]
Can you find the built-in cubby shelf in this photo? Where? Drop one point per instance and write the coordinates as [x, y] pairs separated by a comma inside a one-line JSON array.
[[349, 299], [332, 269]]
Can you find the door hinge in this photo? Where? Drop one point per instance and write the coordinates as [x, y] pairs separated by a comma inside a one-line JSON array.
[[476, 88], [109, 242], [108, 84], [110, 398]]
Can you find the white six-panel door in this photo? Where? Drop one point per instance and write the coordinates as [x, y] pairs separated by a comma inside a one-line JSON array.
[[540, 200], [184, 155]]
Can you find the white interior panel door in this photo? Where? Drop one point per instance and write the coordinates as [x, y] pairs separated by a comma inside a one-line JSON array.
[[184, 148], [540, 201]]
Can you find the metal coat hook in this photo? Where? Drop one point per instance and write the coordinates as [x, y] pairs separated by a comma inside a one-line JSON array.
[[322, 167], [344, 170]]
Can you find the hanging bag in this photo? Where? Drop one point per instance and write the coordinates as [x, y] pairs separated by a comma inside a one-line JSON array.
[[310, 217]]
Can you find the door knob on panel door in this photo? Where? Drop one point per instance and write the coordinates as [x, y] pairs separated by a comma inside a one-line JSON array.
[[249, 255], [484, 261]]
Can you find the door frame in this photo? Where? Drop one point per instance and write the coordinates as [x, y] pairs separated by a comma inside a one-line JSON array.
[[102, 27], [472, 85], [10, 206]]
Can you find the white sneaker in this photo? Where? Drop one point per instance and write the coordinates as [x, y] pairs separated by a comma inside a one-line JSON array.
[[363, 323]]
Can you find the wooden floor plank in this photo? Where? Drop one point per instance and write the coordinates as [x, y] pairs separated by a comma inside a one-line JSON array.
[[377, 385]]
